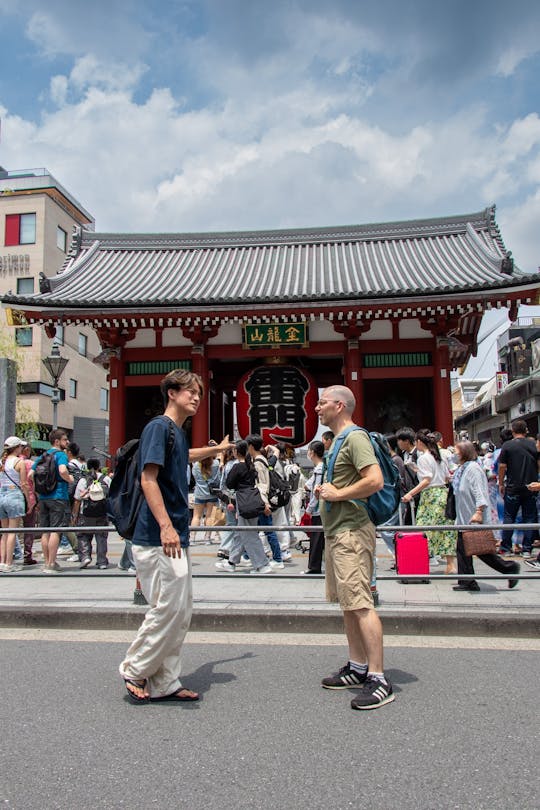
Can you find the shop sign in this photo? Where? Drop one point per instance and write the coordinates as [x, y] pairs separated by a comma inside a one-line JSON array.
[[15, 264], [257, 336], [501, 381]]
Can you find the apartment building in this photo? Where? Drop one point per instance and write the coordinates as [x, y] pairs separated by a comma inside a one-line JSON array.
[[37, 218]]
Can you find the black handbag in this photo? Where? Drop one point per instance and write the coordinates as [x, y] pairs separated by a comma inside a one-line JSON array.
[[218, 492], [450, 509], [249, 502]]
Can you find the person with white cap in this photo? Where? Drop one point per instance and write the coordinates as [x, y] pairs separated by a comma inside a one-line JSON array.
[[13, 495]]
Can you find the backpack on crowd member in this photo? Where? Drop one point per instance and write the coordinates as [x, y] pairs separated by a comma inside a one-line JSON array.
[[293, 474], [279, 490], [95, 503], [46, 473], [125, 496], [76, 473], [382, 504]]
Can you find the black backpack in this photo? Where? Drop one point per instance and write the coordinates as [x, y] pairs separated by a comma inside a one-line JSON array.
[[45, 473], [279, 491], [92, 508], [76, 473], [125, 496]]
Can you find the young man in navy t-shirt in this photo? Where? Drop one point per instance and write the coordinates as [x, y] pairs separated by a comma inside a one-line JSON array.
[[152, 665]]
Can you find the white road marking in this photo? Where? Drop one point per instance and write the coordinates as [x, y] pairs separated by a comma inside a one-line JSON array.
[[274, 639]]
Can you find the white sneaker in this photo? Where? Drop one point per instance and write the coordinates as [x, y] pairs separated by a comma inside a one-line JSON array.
[[3, 567], [275, 564], [266, 569], [225, 565], [286, 556], [64, 551], [85, 563], [73, 558]]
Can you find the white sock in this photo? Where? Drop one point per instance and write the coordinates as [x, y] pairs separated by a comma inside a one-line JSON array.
[[360, 668], [378, 676]]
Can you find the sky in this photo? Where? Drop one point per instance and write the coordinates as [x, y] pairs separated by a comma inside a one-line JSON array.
[[198, 115]]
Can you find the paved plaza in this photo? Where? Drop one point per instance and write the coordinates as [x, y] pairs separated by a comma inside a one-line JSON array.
[[284, 601]]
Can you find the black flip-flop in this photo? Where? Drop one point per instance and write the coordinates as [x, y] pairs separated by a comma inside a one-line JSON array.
[[133, 698], [175, 697]]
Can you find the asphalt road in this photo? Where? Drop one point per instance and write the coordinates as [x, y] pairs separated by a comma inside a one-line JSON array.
[[462, 732]]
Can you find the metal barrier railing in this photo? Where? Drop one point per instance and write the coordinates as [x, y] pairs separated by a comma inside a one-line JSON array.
[[411, 578]]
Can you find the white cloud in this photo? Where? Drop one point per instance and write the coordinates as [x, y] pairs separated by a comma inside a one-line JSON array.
[[308, 118]]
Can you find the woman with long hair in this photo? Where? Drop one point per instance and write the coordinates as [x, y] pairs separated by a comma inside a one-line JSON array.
[[13, 496], [473, 506], [228, 460], [206, 475], [244, 476], [433, 476]]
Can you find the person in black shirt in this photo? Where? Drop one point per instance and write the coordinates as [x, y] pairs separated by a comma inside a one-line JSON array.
[[518, 466]]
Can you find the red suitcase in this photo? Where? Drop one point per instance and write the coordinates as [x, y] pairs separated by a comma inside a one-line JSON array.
[[412, 555]]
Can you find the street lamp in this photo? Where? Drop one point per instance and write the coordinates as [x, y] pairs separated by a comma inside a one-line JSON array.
[[55, 365]]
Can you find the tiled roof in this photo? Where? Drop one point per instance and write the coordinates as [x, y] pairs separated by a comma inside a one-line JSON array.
[[357, 263]]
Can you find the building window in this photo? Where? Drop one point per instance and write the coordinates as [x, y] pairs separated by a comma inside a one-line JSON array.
[[73, 389], [61, 239], [25, 286], [83, 344], [23, 336], [59, 336], [20, 229], [104, 399]]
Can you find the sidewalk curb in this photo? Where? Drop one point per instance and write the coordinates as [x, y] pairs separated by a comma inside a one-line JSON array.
[[260, 620]]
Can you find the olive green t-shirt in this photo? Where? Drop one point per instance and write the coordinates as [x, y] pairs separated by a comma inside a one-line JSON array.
[[355, 453]]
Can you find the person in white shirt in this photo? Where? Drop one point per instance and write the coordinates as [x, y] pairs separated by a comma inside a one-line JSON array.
[[433, 476]]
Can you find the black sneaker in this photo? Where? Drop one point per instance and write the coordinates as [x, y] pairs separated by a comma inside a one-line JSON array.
[[346, 678], [373, 695]]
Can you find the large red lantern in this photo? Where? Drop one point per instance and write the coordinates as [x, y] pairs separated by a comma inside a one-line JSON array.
[[277, 402]]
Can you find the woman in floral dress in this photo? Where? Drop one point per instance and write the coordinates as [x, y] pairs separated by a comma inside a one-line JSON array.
[[433, 476]]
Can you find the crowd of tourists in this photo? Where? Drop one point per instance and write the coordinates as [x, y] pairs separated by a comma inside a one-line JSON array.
[[492, 485], [42, 496]]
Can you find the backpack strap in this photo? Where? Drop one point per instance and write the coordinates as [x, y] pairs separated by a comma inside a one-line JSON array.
[[330, 460], [170, 435]]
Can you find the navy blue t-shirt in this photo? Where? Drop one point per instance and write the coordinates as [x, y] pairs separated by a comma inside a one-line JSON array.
[[172, 480]]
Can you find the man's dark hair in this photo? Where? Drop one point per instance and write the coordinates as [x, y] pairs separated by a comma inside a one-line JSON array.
[[56, 434], [317, 448], [74, 449], [177, 380], [406, 434], [520, 427], [93, 464], [391, 438], [506, 435], [328, 435], [255, 441]]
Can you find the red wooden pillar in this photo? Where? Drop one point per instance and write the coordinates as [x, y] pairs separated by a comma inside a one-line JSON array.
[[353, 378], [200, 426], [442, 393], [117, 404]]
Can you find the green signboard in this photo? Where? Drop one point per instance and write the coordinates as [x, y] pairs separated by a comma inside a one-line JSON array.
[[163, 367], [396, 360], [270, 335]]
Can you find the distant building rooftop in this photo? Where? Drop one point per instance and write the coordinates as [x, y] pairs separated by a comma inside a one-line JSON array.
[[25, 181]]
